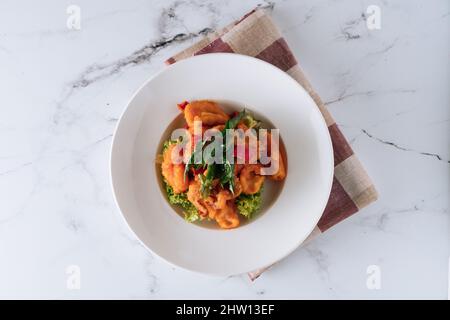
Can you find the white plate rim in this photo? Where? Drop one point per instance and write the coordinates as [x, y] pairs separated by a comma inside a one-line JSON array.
[[283, 74]]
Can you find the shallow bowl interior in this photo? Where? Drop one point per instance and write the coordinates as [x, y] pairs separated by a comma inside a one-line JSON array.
[[245, 81]]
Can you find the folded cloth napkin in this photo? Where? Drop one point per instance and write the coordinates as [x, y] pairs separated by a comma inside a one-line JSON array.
[[257, 36]]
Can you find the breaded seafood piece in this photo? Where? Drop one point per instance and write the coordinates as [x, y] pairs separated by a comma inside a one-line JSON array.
[[250, 180], [173, 173], [206, 111]]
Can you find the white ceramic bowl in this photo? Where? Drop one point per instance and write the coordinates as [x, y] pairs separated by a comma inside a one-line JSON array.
[[245, 81]]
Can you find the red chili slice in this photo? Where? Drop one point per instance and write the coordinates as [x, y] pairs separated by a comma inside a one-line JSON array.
[[182, 105], [246, 153]]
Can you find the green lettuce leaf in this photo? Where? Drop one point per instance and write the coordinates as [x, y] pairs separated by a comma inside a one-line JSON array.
[[248, 204], [180, 199]]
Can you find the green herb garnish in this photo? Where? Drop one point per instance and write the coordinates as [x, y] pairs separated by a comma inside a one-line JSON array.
[[206, 180], [190, 163], [224, 171]]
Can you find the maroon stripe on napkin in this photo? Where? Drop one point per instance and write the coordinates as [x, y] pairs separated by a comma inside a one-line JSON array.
[[217, 45], [279, 55], [339, 207], [341, 148], [170, 61]]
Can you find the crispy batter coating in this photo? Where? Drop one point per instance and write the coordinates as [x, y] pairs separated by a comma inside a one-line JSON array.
[[194, 195], [281, 173], [219, 206], [207, 111], [276, 157], [227, 217], [173, 173], [251, 181]]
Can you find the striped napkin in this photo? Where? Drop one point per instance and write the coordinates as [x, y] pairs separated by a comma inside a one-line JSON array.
[[257, 36]]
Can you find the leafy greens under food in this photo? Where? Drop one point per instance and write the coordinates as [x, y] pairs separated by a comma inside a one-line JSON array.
[[248, 204], [180, 199]]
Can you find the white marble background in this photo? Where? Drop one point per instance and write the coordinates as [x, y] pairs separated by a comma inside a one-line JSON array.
[[62, 91]]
